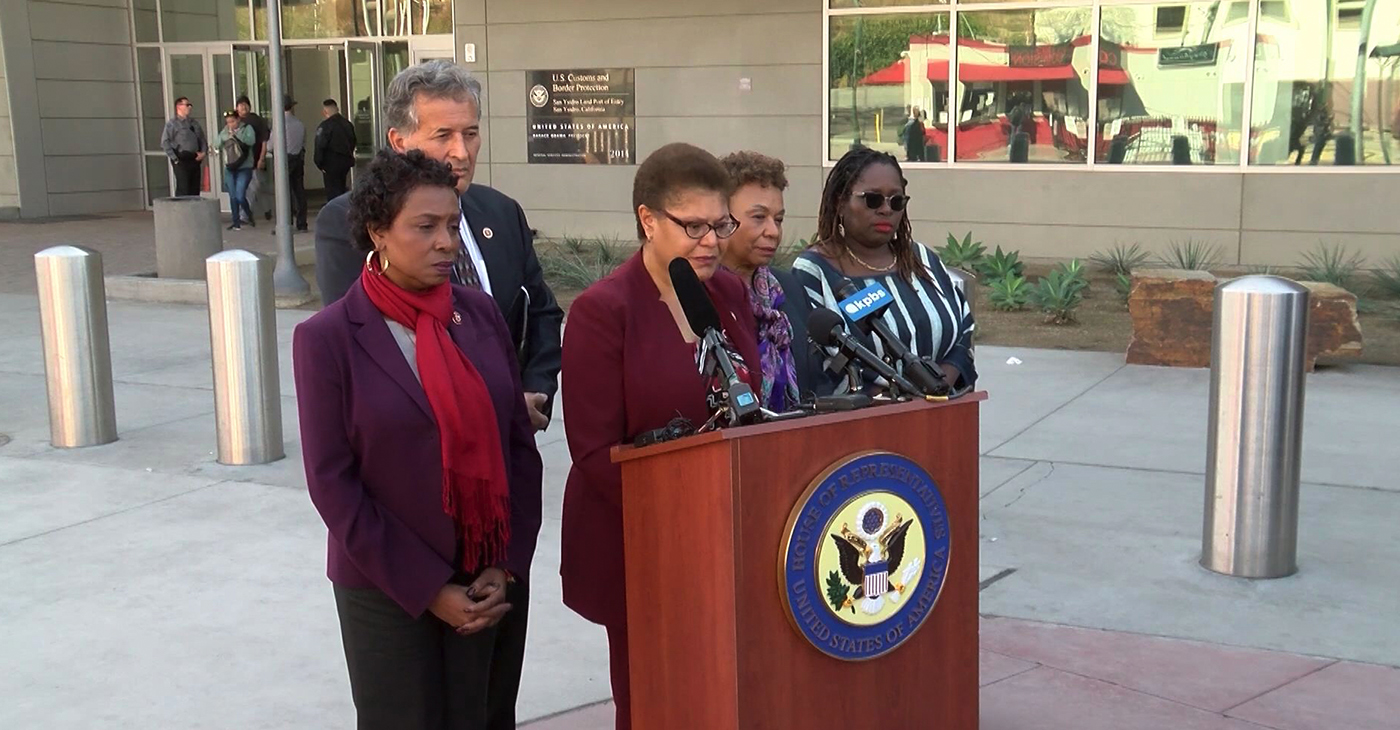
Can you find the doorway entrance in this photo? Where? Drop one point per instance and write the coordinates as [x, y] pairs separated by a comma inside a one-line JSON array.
[[353, 72]]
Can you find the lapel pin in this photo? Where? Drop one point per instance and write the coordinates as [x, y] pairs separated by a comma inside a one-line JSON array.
[[456, 318], [487, 232]]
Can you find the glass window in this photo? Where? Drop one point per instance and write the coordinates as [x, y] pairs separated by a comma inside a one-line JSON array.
[[157, 178], [1171, 93], [882, 3], [1023, 85], [147, 26], [203, 20], [155, 109], [437, 16], [888, 85], [1325, 89], [328, 19], [398, 17]]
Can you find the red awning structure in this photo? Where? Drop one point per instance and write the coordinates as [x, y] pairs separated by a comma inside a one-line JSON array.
[[937, 71], [1114, 77]]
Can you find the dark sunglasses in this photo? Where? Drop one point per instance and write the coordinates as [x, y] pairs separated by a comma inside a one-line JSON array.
[[873, 201], [698, 229]]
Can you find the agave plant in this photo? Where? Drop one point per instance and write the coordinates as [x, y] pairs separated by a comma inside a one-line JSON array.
[[1010, 294], [1059, 296], [576, 263], [1388, 276], [964, 254], [1331, 264], [1192, 255], [1121, 259], [1001, 265], [1123, 284]]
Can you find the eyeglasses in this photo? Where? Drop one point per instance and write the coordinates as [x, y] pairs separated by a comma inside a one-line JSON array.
[[873, 201], [698, 229]]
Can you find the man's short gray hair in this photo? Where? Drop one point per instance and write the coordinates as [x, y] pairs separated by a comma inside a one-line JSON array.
[[436, 79]]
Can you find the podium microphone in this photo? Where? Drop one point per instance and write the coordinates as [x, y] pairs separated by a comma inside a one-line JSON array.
[[826, 328], [866, 308], [700, 313]]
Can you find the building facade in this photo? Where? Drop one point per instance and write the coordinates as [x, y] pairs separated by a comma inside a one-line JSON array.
[[1056, 127]]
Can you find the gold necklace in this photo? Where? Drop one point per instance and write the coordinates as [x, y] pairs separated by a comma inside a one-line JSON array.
[[880, 269]]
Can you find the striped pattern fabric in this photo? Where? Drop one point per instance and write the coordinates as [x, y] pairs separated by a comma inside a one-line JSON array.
[[932, 318]]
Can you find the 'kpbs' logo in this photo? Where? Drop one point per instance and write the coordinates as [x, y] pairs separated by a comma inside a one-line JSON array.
[[866, 302]]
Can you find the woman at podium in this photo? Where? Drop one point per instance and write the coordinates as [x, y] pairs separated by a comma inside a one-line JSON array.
[[629, 367], [864, 235]]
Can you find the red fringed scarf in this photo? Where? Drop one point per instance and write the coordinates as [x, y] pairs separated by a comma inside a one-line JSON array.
[[475, 493]]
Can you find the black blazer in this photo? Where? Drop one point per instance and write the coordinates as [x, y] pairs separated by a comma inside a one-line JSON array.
[[810, 379], [517, 281]]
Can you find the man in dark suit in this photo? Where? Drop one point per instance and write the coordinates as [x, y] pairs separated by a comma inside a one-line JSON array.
[[436, 107], [334, 151]]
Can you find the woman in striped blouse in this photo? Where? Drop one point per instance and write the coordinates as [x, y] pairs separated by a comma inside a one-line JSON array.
[[863, 234]]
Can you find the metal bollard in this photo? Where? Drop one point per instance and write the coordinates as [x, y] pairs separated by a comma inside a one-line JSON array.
[[1255, 438], [966, 282], [243, 338], [77, 352]]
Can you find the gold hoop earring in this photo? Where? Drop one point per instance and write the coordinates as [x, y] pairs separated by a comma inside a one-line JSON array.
[[383, 262]]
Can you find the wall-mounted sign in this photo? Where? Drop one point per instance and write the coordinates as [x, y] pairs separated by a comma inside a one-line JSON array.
[[1202, 55], [1059, 54], [582, 117]]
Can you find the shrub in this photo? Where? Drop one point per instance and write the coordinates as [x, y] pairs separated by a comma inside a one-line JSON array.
[[576, 263], [1010, 294], [1331, 264], [1192, 255], [1001, 265], [1123, 284], [1388, 276], [1074, 273], [1121, 259], [1058, 295], [964, 254]]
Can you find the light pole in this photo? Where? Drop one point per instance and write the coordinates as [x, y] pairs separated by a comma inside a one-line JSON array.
[[286, 279]]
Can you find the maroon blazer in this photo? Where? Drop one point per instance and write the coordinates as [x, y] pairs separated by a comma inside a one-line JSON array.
[[626, 370], [373, 461]]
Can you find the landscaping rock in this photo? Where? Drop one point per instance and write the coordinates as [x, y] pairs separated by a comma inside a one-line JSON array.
[[1171, 311], [1334, 332]]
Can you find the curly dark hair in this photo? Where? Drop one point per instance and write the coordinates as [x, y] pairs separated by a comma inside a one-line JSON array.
[[753, 168], [672, 170], [379, 193], [839, 185]]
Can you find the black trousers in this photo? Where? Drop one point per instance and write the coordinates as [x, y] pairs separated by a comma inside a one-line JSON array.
[[296, 175], [187, 173], [336, 182], [418, 674]]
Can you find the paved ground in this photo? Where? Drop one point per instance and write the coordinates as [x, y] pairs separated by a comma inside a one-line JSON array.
[[193, 594]]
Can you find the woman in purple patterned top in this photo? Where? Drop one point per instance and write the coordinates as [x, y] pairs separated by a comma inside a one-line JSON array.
[[790, 371]]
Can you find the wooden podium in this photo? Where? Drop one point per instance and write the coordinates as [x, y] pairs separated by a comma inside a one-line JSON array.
[[713, 644]]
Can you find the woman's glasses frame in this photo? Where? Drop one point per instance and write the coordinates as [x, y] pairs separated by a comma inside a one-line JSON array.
[[874, 200], [699, 229]]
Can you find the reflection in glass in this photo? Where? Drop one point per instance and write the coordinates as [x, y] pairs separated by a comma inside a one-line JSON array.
[[395, 59], [155, 109], [883, 3], [360, 105], [437, 16], [250, 70], [147, 26], [187, 79], [1023, 85], [397, 17], [202, 20], [1171, 84], [1325, 84], [888, 85], [224, 95], [157, 177]]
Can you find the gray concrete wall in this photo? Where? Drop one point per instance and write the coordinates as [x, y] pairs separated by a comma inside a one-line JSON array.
[[9, 178], [73, 105], [690, 58]]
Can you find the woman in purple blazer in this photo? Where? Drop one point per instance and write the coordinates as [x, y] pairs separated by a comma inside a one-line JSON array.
[[420, 458]]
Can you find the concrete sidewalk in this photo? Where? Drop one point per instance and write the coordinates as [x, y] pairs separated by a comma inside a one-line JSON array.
[[193, 594]]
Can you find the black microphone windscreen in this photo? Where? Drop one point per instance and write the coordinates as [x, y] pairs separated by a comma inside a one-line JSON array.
[[847, 289], [821, 323], [694, 300]]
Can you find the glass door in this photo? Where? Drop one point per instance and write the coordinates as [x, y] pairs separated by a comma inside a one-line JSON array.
[[363, 82], [191, 75], [250, 76]]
